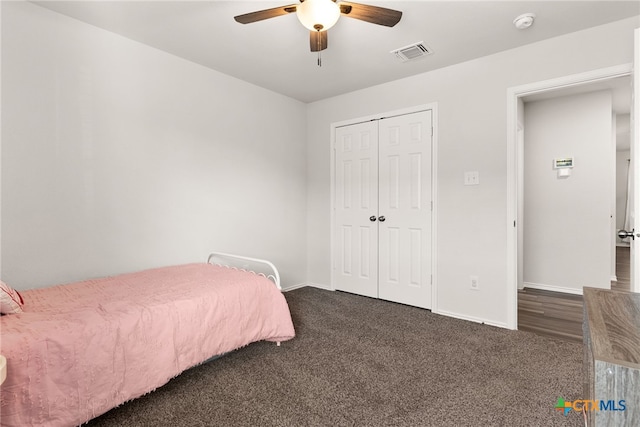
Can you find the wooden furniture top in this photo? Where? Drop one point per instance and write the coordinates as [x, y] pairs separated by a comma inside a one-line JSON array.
[[614, 325]]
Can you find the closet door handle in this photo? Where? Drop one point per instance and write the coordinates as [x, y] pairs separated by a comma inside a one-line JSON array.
[[381, 218], [372, 218]]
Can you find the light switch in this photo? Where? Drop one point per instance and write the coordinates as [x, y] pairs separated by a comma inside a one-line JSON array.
[[472, 178]]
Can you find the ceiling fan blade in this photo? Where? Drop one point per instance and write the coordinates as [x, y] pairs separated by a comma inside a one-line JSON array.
[[373, 14], [248, 18], [318, 40]]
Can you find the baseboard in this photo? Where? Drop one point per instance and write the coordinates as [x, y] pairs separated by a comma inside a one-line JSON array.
[[623, 245], [440, 312], [471, 319], [614, 278], [304, 285], [294, 287], [553, 288]]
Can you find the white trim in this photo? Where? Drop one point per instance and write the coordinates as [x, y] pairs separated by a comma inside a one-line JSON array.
[[573, 80], [553, 288], [513, 94], [294, 287], [434, 210], [433, 107], [400, 112], [321, 286], [471, 319], [614, 278], [635, 151], [332, 202], [614, 204], [307, 285]]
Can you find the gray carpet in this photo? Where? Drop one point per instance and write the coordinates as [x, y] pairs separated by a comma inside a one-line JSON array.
[[358, 361]]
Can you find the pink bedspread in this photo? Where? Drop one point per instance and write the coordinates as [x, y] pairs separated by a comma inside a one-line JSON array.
[[81, 349]]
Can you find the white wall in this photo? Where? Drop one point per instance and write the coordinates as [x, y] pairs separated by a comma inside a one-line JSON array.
[[118, 157], [472, 99], [567, 230]]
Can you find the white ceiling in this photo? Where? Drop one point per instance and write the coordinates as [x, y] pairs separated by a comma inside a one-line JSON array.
[[275, 53]]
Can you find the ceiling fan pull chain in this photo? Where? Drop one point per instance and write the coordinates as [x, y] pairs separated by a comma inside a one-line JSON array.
[[319, 44]]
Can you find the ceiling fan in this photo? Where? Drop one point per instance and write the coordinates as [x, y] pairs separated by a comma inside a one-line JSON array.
[[320, 15]]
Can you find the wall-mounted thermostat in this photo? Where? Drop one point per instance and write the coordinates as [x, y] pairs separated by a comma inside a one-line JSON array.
[[564, 166], [565, 162]]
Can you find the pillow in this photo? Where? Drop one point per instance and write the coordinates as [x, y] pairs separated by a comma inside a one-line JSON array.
[[10, 299]]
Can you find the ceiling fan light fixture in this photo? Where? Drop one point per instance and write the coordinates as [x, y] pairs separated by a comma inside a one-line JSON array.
[[318, 15]]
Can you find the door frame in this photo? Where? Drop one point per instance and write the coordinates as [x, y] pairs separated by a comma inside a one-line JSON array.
[[514, 94], [433, 107]]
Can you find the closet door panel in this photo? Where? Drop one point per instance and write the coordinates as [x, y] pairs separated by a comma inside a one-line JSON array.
[[405, 203], [356, 202]]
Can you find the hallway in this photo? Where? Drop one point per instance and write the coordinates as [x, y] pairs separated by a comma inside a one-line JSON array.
[[559, 315]]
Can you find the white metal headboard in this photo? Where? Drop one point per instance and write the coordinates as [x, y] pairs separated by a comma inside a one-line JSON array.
[[257, 266]]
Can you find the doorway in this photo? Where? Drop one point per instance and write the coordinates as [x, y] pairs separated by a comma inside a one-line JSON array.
[[517, 97], [569, 219]]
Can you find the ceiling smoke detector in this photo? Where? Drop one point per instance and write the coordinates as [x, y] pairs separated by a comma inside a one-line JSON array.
[[411, 52], [524, 21]]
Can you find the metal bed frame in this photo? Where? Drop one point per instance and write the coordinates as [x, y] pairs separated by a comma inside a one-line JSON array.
[[257, 266]]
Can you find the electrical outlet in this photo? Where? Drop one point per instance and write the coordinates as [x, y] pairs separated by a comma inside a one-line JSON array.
[[474, 283]]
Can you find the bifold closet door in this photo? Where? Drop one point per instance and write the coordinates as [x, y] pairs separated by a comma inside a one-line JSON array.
[[404, 258], [382, 225], [355, 252]]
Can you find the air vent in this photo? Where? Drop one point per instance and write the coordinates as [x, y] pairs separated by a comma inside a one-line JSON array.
[[412, 52]]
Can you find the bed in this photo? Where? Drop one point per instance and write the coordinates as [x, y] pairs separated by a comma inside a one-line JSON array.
[[77, 350]]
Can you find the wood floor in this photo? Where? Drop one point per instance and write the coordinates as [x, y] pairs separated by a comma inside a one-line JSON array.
[[558, 314], [623, 270]]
